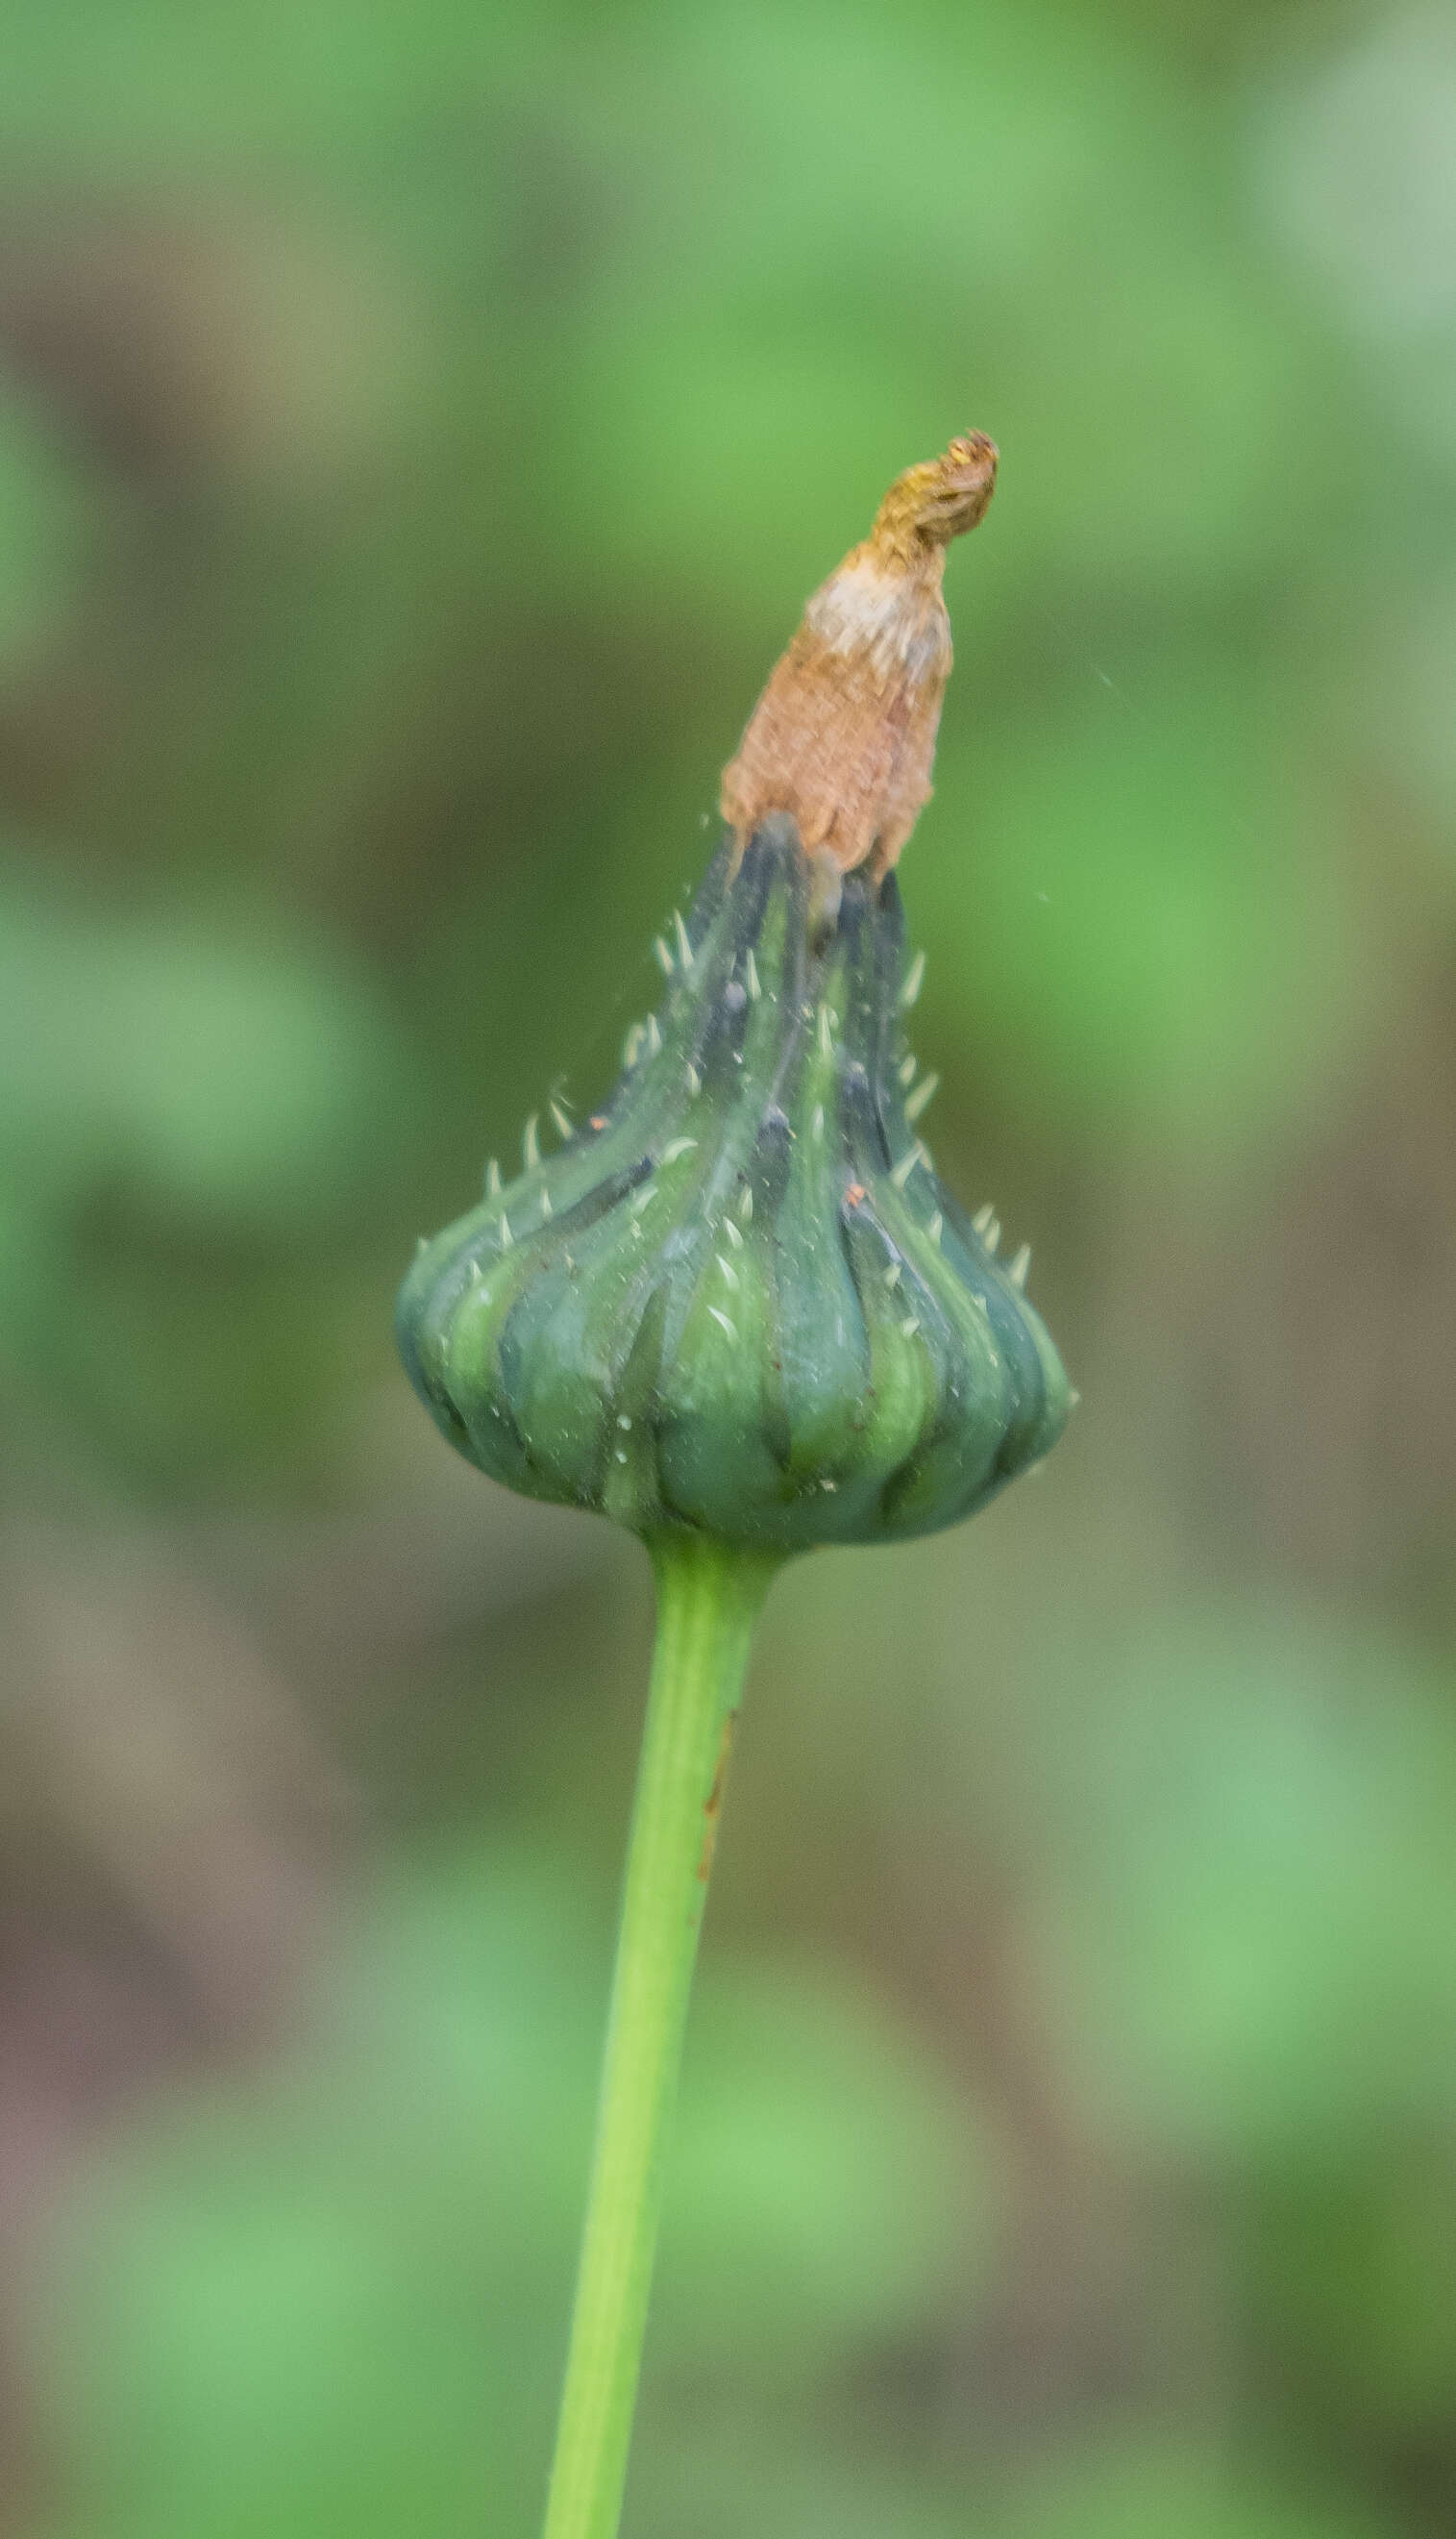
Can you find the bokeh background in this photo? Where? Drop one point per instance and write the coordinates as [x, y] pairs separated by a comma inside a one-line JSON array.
[[420, 424]]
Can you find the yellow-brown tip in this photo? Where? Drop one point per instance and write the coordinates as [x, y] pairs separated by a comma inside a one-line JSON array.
[[842, 738], [935, 501]]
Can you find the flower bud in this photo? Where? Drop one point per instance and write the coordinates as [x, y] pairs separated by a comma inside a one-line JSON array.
[[738, 1299]]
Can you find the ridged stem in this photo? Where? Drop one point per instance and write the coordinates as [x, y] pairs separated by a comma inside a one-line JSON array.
[[708, 1599]]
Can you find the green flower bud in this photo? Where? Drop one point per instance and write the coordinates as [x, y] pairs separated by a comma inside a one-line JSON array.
[[739, 1299]]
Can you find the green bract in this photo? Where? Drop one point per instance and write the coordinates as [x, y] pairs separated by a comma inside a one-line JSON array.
[[739, 1300]]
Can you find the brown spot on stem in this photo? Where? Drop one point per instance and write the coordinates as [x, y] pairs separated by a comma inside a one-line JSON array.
[[713, 1804]]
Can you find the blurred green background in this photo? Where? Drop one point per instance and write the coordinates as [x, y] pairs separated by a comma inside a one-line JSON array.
[[420, 425]]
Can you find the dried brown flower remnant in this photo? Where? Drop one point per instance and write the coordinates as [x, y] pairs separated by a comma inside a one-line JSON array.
[[843, 735]]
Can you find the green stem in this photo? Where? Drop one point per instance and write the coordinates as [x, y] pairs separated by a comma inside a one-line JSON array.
[[707, 1603]]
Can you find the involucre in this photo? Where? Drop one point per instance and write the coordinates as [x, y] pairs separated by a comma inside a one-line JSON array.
[[739, 1298]]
